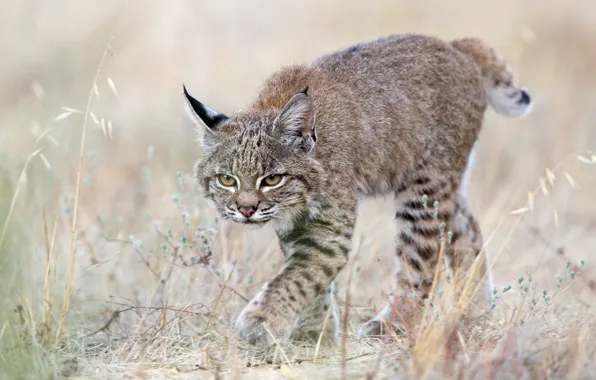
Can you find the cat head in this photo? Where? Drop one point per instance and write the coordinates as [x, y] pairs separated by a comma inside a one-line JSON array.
[[259, 166]]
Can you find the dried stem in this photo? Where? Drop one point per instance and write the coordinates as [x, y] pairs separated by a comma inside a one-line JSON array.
[[73, 232]]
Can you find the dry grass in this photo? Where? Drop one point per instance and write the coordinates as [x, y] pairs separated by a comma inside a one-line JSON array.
[[111, 265]]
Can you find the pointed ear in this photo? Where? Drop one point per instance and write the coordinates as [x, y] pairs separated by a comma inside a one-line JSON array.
[[206, 119], [200, 113], [295, 124]]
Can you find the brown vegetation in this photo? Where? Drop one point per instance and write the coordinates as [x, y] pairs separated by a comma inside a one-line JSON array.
[[112, 265]]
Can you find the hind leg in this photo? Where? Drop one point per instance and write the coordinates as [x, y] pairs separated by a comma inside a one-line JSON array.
[[426, 207], [466, 245]]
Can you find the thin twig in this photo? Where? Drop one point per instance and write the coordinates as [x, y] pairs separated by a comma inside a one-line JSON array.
[[98, 264], [309, 360], [146, 262], [15, 196], [375, 371], [169, 308], [113, 317], [114, 240], [46, 281], [344, 337], [73, 234], [278, 346], [223, 287], [220, 295], [314, 360]]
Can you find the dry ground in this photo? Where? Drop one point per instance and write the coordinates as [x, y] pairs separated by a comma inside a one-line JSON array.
[[149, 283]]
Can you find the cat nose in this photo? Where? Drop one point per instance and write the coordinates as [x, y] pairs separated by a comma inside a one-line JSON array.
[[247, 211], [524, 98]]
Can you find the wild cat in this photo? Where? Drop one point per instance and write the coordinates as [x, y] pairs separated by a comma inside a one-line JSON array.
[[399, 115]]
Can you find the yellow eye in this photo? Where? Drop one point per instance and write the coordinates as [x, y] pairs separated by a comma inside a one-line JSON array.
[[272, 180], [226, 180]]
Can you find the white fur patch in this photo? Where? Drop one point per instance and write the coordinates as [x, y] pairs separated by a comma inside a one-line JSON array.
[[229, 188], [265, 189], [201, 128], [505, 101], [465, 178]]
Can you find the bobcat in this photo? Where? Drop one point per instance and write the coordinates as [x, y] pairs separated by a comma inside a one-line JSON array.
[[399, 115]]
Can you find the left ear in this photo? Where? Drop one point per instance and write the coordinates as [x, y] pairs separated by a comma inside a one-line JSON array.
[[295, 124], [207, 120]]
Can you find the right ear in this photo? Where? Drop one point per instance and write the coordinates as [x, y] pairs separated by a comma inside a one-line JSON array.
[[206, 119]]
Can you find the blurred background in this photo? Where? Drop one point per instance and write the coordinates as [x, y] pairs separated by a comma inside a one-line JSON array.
[[137, 198]]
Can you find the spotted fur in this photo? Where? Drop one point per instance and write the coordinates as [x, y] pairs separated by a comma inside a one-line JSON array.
[[399, 115]]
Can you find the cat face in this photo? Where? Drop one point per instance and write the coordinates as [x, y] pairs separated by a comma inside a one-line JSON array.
[[259, 166]]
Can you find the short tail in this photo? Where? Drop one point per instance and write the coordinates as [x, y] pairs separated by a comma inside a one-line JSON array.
[[503, 95]]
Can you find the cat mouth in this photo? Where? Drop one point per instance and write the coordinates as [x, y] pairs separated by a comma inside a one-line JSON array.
[[252, 224], [251, 221], [248, 221], [258, 219]]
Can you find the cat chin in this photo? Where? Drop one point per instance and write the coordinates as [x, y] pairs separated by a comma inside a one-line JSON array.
[[253, 226]]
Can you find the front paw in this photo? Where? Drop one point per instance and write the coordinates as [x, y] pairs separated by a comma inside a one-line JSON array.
[[250, 326], [258, 326]]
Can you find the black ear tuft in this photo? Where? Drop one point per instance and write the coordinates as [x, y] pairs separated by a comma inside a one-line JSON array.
[[198, 111]]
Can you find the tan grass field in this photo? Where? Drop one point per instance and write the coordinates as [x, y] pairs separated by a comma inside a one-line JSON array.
[[113, 267]]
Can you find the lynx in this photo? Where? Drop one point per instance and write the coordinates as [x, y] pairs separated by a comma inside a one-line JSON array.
[[396, 116]]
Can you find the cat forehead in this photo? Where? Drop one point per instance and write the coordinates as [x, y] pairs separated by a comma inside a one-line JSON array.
[[247, 151], [247, 124], [246, 163], [248, 137], [247, 140], [245, 143]]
